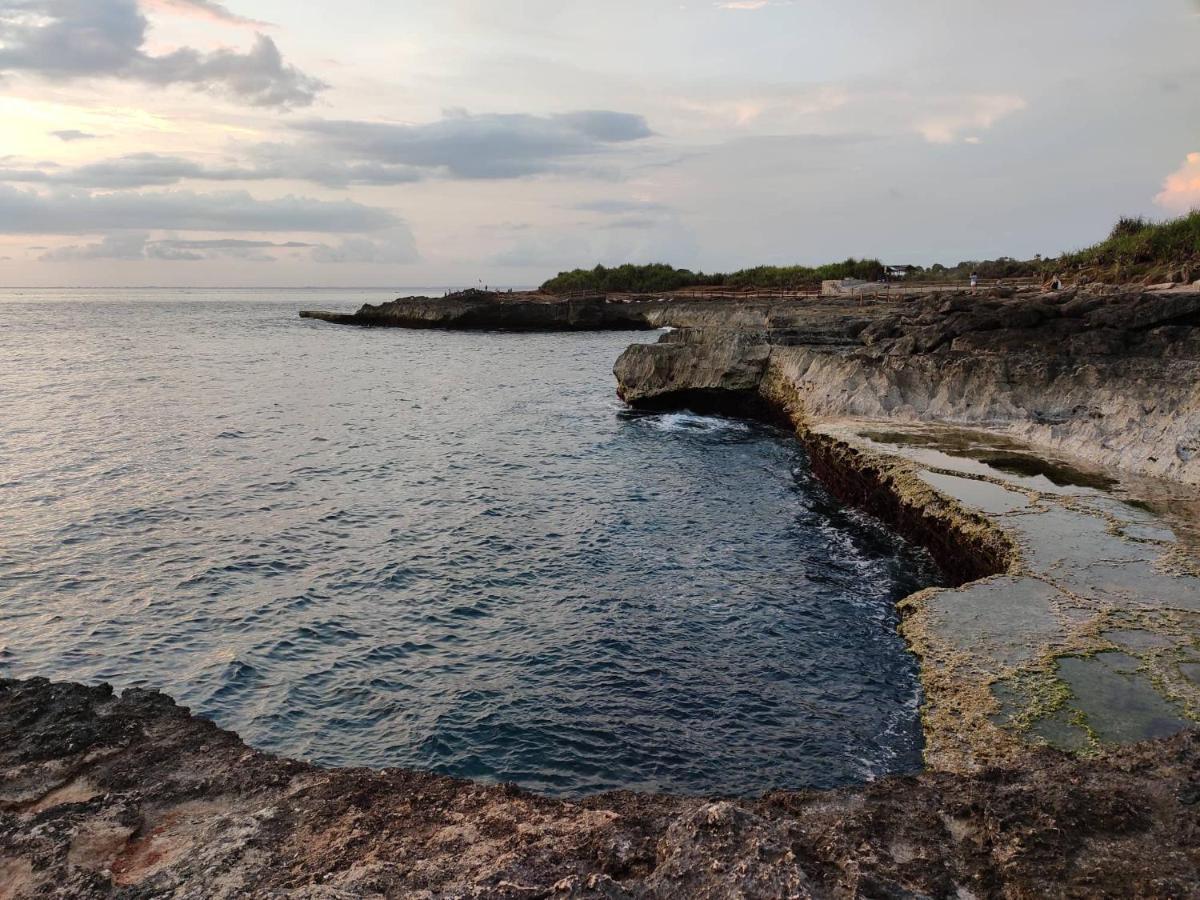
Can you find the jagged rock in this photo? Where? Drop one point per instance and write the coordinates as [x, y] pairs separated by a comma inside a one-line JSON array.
[[104, 796]]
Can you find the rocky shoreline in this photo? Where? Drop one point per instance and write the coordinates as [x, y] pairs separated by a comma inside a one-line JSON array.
[[131, 796], [1061, 669], [1076, 616]]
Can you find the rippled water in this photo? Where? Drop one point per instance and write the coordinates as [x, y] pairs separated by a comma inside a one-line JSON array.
[[449, 551]]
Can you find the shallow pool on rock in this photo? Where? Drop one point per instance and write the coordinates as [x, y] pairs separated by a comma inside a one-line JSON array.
[[448, 551]]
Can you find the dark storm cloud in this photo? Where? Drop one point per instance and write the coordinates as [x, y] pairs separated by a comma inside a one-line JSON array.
[[68, 39], [27, 212]]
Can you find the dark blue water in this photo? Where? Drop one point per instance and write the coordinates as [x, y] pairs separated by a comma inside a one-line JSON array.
[[448, 551]]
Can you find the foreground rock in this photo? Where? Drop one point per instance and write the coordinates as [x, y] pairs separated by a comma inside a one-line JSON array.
[[104, 796]]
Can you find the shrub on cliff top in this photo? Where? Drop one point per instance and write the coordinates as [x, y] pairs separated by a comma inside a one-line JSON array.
[[1135, 244], [631, 279], [659, 277]]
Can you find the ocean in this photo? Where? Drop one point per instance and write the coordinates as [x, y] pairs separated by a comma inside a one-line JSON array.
[[451, 551]]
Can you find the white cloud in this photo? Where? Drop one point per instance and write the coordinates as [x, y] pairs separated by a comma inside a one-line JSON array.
[[204, 9]]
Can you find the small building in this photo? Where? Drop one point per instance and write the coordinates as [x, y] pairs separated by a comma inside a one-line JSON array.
[[898, 273]]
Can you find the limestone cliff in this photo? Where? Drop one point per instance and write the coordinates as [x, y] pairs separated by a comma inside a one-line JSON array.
[[1110, 378]]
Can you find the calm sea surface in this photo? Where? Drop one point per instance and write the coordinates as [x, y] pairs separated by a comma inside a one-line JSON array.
[[448, 551]]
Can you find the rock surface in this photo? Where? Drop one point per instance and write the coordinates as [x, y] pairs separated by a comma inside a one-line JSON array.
[[130, 796], [1110, 378], [1012, 657], [482, 311]]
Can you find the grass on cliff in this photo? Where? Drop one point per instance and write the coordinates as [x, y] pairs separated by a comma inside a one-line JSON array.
[[1137, 248]]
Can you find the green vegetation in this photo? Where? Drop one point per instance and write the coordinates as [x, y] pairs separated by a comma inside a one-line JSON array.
[[632, 279], [988, 269], [782, 277], [657, 277], [1136, 249]]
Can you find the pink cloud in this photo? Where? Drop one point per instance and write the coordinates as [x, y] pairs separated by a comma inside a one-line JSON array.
[[1181, 190], [204, 9]]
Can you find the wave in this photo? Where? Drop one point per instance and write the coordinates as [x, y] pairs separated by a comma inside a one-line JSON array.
[[685, 421]]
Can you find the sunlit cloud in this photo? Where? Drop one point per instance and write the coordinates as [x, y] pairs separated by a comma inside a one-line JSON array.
[[204, 9], [139, 246], [1181, 190], [967, 115]]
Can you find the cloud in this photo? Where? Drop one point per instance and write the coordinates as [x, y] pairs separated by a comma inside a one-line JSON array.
[[956, 115], [1181, 190], [396, 248], [621, 207], [134, 170], [204, 9], [140, 170], [489, 146], [139, 246], [72, 134], [341, 154], [28, 212], [114, 246], [71, 39]]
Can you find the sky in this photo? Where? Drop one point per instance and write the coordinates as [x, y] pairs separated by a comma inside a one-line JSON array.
[[270, 142]]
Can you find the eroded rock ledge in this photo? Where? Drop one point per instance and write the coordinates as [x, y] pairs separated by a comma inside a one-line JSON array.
[[1075, 619], [1110, 378], [132, 796]]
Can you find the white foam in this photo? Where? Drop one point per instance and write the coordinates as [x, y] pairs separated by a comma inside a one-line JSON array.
[[685, 421]]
